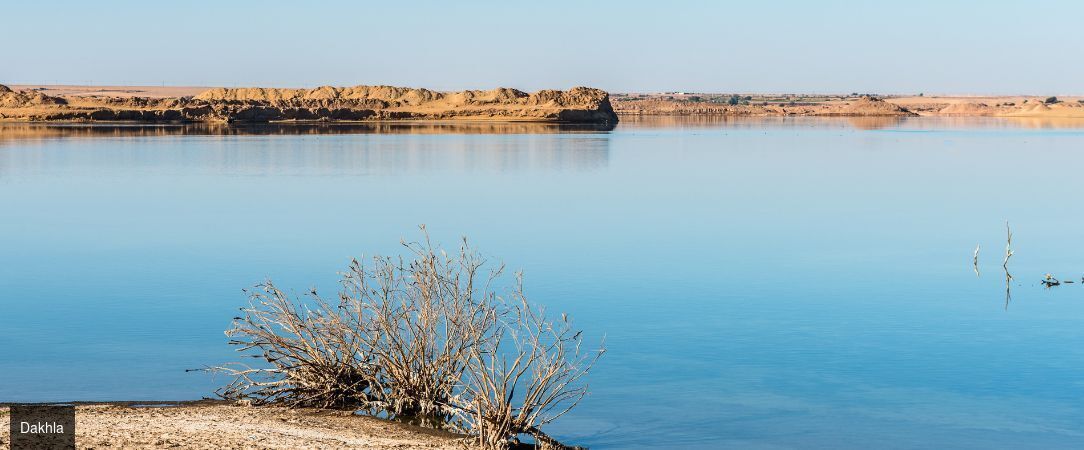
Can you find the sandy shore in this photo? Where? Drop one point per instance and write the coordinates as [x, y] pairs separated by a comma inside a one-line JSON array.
[[221, 426]]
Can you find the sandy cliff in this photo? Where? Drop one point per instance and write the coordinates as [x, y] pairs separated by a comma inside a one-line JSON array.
[[327, 103], [14, 99]]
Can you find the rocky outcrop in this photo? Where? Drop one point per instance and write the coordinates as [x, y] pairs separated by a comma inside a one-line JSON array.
[[13, 99], [327, 103], [326, 96], [387, 102], [868, 106]]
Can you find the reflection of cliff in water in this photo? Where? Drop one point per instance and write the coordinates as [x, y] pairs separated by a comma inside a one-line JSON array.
[[757, 122], [634, 122], [22, 131], [876, 122], [302, 150]]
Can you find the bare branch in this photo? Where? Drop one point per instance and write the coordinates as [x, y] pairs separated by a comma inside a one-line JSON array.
[[424, 337]]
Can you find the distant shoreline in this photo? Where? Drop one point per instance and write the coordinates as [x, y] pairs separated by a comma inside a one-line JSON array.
[[383, 104], [685, 104]]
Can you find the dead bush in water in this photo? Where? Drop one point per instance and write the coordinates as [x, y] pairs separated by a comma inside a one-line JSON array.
[[312, 358], [525, 377], [426, 337], [418, 321]]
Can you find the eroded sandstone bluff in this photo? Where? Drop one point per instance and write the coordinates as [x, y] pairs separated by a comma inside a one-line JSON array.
[[358, 103]]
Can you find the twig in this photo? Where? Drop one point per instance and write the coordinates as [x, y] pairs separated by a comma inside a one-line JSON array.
[[1008, 245], [1005, 265], [975, 261]]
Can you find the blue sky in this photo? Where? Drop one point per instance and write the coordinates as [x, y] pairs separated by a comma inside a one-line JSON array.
[[770, 46]]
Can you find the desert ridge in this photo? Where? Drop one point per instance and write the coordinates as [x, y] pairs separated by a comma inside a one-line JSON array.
[[853, 105], [153, 104], [327, 103]]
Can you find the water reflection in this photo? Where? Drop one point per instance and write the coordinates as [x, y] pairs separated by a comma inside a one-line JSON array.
[[794, 287], [990, 123], [302, 149], [1046, 123], [1008, 288], [752, 122], [876, 123], [850, 123], [735, 122], [30, 131]]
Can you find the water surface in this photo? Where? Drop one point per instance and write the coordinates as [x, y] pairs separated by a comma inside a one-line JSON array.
[[775, 283]]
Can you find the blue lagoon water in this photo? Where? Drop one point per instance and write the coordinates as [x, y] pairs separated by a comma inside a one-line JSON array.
[[760, 283]]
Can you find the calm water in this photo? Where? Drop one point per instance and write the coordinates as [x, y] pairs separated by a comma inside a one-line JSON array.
[[761, 284]]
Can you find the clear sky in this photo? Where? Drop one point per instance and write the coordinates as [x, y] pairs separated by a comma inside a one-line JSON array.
[[766, 46]]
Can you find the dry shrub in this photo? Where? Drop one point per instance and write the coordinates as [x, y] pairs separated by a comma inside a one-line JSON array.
[[418, 321], [311, 358], [427, 338], [527, 376]]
